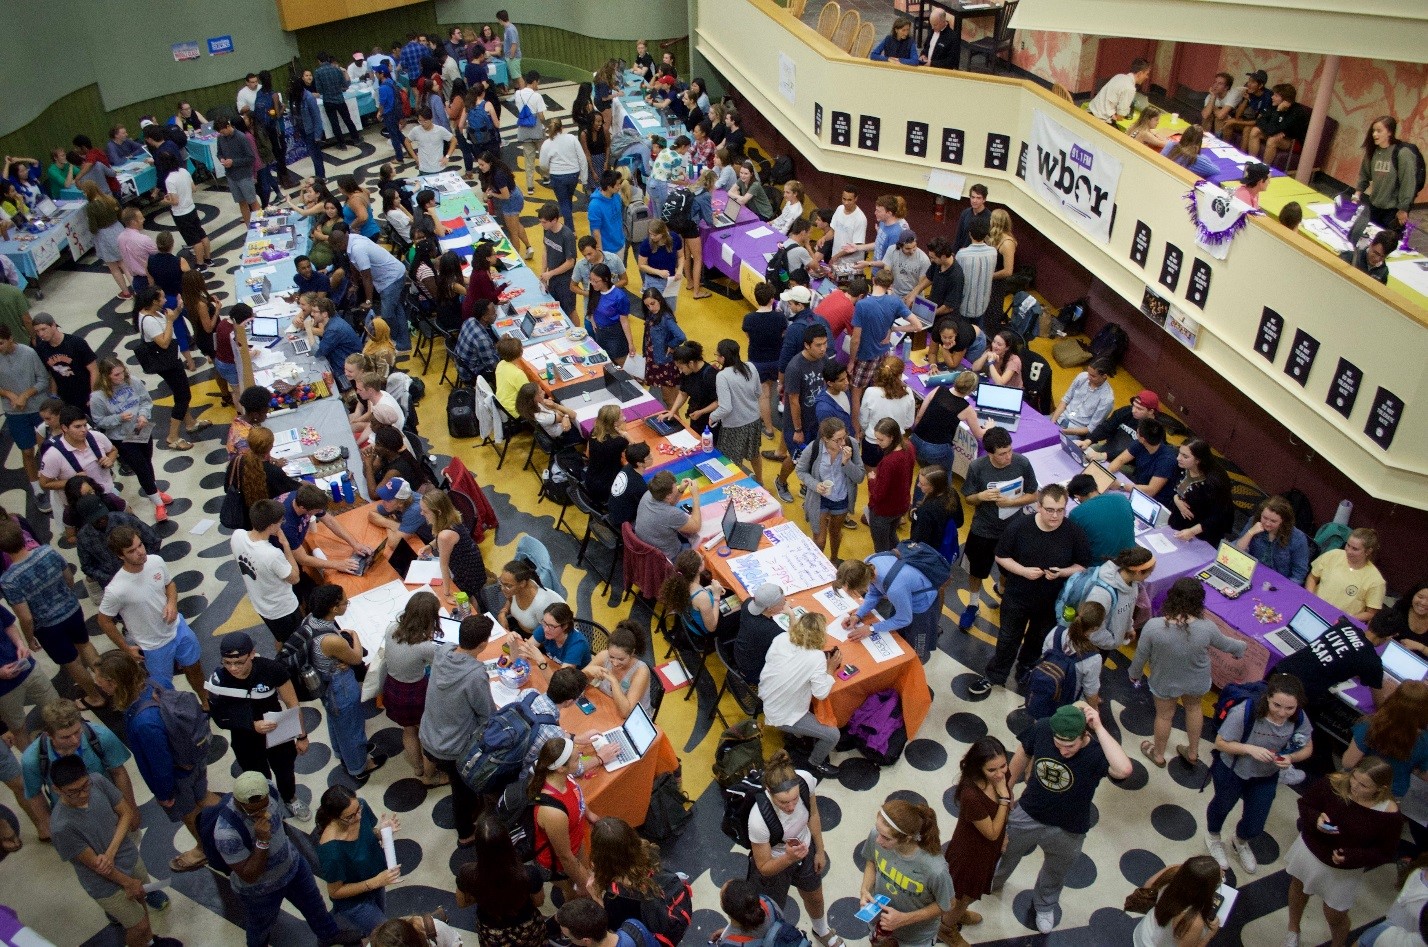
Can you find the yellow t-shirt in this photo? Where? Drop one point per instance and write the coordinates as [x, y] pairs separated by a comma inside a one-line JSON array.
[[1352, 590], [509, 381]]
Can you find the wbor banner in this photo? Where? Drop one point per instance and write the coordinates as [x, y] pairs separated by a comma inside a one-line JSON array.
[[1069, 173]]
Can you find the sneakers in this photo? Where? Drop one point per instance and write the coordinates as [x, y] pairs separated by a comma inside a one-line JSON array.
[[1245, 855], [299, 810], [981, 687], [968, 619], [824, 770], [126, 294], [1292, 776], [157, 901], [781, 487], [1216, 847], [42, 501], [530, 253], [1045, 921], [160, 513], [165, 497]]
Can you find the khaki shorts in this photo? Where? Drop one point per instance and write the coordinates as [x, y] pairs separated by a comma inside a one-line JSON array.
[[35, 691], [124, 909]]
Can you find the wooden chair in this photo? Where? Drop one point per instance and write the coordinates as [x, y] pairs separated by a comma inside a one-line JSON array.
[[847, 28], [1061, 92], [1001, 40], [863, 42], [828, 19], [796, 8]]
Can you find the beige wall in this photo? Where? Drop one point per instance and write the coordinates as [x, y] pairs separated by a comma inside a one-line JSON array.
[[1348, 314]]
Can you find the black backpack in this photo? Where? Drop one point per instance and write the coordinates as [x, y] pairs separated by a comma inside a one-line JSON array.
[[516, 814], [95, 747], [296, 658], [1051, 683], [741, 797], [776, 273], [678, 205], [1418, 169], [1110, 343], [779, 173], [461, 413], [1071, 318]]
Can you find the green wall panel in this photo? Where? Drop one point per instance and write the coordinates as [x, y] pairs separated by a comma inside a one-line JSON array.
[[611, 19], [345, 37]]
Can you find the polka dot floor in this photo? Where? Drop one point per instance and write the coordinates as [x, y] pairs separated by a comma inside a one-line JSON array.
[[1153, 818]]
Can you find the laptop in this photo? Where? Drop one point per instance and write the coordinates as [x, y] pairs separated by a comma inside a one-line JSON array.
[[522, 330], [1000, 404], [620, 383], [1069, 445], [722, 219], [568, 372], [1098, 472], [1146, 510], [401, 557], [1306, 626], [738, 535], [265, 327], [1231, 572], [365, 562], [1403, 665], [46, 208], [300, 346], [634, 739]]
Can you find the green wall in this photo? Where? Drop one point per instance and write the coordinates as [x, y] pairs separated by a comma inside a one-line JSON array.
[[609, 19], [345, 37]]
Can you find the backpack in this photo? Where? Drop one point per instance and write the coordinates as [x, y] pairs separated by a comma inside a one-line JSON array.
[[638, 934], [263, 106], [780, 172], [1110, 343], [742, 796], [496, 754], [296, 658], [876, 729], [1051, 682], [780, 932], [58, 443], [461, 413], [1072, 317], [1418, 170], [480, 130], [188, 726], [1331, 536], [1234, 695], [776, 273], [637, 222], [233, 514], [667, 915], [668, 811], [1026, 315], [924, 559], [516, 814], [740, 751], [678, 205], [525, 118], [44, 756], [1074, 592]]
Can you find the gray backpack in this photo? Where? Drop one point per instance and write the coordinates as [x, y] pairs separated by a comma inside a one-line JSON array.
[[187, 725]]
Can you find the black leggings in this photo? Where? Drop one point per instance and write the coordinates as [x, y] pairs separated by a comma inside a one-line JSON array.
[[139, 457], [277, 762], [466, 805], [177, 380]]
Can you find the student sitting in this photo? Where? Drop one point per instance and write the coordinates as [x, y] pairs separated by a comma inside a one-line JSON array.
[[1275, 542], [897, 45]]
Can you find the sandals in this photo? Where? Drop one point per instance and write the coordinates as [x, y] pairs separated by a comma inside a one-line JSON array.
[[200, 425], [178, 866], [832, 940], [436, 781], [1182, 750], [179, 444], [1147, 750]]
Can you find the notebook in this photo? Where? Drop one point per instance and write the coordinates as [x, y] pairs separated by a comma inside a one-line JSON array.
[[1305, 627], [634, 738], [1000, 404], [1231, 572]]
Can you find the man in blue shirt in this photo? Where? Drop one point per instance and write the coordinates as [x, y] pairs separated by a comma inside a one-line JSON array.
[[309, 279], [398, 511], [873, 318], [389, 110], [66, 734], [476, 345], [336, 339], [606, 214], [383, 278], [300, 509], [914, 601], [331, 82], [413, 53], [1155, 467]]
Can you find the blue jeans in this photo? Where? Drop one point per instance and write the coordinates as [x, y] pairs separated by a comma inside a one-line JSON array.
[[302, 891], [659, 193], [345, 723], [931, 455], [393, 131], [564, 187], [315, 153], [978, 346], [364, 912], [1257, 793], [392, 311]]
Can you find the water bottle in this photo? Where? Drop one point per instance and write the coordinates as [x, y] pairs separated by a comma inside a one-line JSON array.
[[706, 440], [336, 492], [463, 606], [349, 492]]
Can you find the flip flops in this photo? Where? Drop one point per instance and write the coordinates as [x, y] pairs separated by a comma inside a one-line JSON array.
[[1182, 750], [1147, 750]]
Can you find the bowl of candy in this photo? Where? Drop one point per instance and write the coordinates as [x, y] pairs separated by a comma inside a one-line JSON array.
[[516, 674]]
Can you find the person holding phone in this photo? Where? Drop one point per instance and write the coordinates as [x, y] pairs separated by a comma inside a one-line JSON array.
[[797, 671], [618, 670], [786, 842], [903, 855]]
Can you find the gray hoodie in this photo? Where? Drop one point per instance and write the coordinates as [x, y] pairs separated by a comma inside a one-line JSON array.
[[1119, 614], [458, 704]]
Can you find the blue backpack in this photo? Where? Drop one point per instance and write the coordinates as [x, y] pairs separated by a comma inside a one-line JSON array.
[[1074, 592], [1246, 696], [497, 753], [480, 130], [526, 118], [1051, 682], [780, 933], [923, 558]]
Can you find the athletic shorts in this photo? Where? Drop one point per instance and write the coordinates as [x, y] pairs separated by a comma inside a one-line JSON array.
[[981, 555]]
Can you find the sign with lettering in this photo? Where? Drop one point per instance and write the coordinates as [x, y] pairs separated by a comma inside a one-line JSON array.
[[817, 119], [1271, 327], [1021, 162], [998, 151], [842, 133], [1170, 268], [1068, 171], [870, 132], [916, 145], [1344, 389], [1301, 356], [1384, 416], [1140, 244], [220, 45], [952, 141], [1199, 290]]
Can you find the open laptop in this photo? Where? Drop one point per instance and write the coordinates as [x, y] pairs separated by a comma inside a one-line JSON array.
[[1403, 665], [401, 557], [634, 738], [738, 535], [1231, 572], [265, 327], [662, 427], [1072, 449], [722, 219], [1000, 404], [46, 208], [1146, 510], [1306, 626], [1098, 472], [365, 562], [621, 384], [522, 330]]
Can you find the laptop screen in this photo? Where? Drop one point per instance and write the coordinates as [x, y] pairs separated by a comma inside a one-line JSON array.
[[528, 325], [265, 327], [1402, 664], [1240, 563], [1145, 508], [731, 519], [1307, 624], [641, 730], [999, 398], [1103, 477]]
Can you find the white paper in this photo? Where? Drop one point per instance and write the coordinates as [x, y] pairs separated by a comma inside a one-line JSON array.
[[1328, 236], [1157, 542], [727, 252], [201, 527], [1230, 895], [674, 673], [834, 630], [946, 183], [1011, 489], [1411, 272], [317, 552], [287, 450], [265, 357], [158, 884], [289, 721], [882, 647], [421, 572], [834, 601], [389, 848], [761, 232], [28, 937], [683, 439]]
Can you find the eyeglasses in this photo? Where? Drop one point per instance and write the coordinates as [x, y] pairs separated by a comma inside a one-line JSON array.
[[74, 790], [1054, 510]]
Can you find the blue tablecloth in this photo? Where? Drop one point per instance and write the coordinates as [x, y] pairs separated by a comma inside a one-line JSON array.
[[204, 153], [361, 100], [33, 251], [632, 111]]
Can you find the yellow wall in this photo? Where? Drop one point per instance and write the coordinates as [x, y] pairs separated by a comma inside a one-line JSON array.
[[1348, 314]]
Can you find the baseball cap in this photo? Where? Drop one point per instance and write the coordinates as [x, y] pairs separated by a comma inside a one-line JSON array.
[[906, 237], [42, 319], [235, 644], [249, 786], [382, 68], [1260, 76], [1148, 399], [395, 489], [89, 509], [767, 596], [797, 294], [1068, 723], [358, 57]]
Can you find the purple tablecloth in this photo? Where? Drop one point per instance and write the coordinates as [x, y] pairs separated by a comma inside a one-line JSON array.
[[632, 412], [741, 247]]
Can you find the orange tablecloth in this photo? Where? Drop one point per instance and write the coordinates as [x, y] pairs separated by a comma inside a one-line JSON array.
[[362, 530]]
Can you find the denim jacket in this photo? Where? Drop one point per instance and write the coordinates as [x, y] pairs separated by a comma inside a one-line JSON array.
[[665, 334]]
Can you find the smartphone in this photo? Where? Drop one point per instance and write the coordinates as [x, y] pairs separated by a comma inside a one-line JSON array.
[[847, 671], [1329, 827], [585, 706], [870, 911]]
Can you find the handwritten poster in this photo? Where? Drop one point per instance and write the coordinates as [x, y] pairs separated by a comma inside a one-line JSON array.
[[787, 77], [794, 563]]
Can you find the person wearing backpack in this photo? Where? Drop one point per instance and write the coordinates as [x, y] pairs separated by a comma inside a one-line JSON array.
[[754, 919], [560, 832], [241, 690], [458, 704], [1257, 740], [626, 877], [1390, 176], [529, 106], [335, 655], [1176, 644], [909, 579], [1073, 640], [584, 923], [1115, 585], [792, 852], [167, 760]]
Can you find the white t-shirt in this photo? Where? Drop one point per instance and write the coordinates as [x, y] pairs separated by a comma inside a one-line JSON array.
[[385, 410], [247, 98], [140, 598], [876, 405], [430, 146], [151, 327], [265, 573], [180, 184], [1229, 100], [1117, 97], [848, 228], [529, 618], [795, 823]]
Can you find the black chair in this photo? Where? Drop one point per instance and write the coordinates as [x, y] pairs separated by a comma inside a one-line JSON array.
[[1002, 40], [510, 427], [545, 442], [692, 650], [595, 633], [656, 694], [492, 599], [746, 695], [598, 528], [422, 323]]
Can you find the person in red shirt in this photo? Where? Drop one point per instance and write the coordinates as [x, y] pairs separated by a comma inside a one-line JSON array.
[[93, 156], [890, 484], [837, 309], [483, 285]]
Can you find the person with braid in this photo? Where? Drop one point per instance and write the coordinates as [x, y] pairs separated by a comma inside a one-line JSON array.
[[904, 863]]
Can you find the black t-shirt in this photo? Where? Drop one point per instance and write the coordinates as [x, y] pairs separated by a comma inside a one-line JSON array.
[[1026, 543], [239, 703], [68, 364], [751, 646], [1339, 654], [946, 289], [604, 459], [1059, 790], [626, 491], [765, 331], [939, 421], [700, 387], [735, 142], [930, 519], [1117, 430]]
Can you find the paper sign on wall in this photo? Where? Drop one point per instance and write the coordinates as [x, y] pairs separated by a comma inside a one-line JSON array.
[[183, 52], [1301, 356], [1384, 416], [953, 140], [1344, 389], [1073, 174], [946, 183], [1199, 290], [1271, 327], [1170, 267], [220, 45], [817, 119], [1021, 162], [1140, 244], [842, 133], [916, 144], [787, 77], [998, 151], [1155, 306], [870, 132]]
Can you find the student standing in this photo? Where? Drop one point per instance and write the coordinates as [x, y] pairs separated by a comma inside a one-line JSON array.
[[904, 864]]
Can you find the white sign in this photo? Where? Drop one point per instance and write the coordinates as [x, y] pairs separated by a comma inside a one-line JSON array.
[[1073, 175], [946, 183], [787, 77]]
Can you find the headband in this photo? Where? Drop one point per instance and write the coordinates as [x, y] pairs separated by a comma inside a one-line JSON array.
[[565, 754], [888, 819]]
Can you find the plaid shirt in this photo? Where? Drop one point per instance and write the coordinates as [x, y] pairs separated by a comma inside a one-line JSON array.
[[412, 54], [475, 349], [331, 82]]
